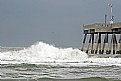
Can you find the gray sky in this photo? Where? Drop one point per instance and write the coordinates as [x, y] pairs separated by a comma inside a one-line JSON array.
[[58, 22]]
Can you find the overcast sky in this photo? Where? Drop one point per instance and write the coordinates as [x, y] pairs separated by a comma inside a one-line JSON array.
[[58, 22]]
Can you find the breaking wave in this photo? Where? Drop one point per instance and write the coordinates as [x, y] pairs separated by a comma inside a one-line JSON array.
[[42, 52]]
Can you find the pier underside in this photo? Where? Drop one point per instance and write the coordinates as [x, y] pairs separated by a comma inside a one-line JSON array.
[[102, 38]]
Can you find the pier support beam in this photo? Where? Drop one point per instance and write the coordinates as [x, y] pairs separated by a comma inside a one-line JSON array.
[[103, 46], [114, 46], [111, 42], [92, 48], [106, 43], [108, 31], [119, 45], [88, 46], [83, 42], [97, 43]]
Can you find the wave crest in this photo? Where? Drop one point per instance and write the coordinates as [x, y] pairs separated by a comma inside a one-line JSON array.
[[42, 52]]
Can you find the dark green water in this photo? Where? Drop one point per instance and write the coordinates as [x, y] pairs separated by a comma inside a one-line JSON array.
[[49, 79], [44, 62], [58, 72]]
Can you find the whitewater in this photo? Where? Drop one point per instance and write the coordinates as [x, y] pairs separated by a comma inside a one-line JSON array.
[[45, 62], [45, 53]]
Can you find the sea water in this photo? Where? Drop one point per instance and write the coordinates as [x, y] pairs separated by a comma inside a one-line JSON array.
[[44, 62]]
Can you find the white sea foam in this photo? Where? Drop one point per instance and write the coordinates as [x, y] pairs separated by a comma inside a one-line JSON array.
[[40, 53], [104, 61]]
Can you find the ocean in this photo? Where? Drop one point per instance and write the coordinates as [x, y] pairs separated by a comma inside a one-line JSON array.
[[45, 62]]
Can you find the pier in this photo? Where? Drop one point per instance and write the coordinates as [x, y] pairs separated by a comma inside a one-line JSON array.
[[102, 38], [6, 49]]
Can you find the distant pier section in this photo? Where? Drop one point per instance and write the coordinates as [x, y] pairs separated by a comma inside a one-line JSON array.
[[101, 38], [6, 49]]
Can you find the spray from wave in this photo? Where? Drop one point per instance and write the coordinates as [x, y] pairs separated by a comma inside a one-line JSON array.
[[45, 53], [42, 52]]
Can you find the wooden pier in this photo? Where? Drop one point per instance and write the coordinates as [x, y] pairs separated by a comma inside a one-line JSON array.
[[101, 38]]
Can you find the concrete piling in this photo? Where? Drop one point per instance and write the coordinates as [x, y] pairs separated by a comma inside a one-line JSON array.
[[96, 31], [99, 42], [119, 45], [96, 43], [83, 42], [88, 46], [106, 43], [111, 42], [92, 50]]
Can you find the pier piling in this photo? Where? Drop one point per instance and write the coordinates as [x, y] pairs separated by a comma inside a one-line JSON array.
[[96, 34], [83, 42]]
